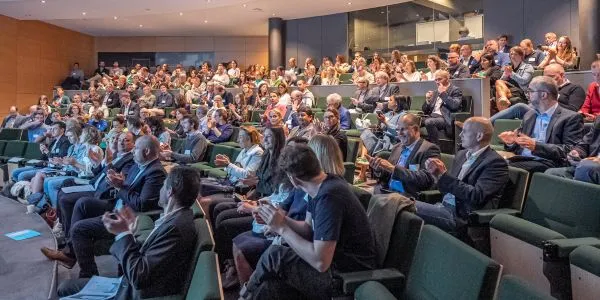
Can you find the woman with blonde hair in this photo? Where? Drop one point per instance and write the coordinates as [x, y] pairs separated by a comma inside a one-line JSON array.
[[563, 54], [330, 77], [329, 154]]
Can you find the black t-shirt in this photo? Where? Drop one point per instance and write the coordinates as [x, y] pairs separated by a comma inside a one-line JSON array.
[[337, 215]]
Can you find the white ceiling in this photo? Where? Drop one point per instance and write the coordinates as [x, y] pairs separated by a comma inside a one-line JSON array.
[[175, 17]]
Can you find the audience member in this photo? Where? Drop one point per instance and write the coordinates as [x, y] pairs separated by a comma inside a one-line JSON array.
[[335, 101], [128, 108], [9, 120], [434, 63], [406, 72], [24, 120], [98, 121], [387, 125], [219, 129], [293, 66], [111, 98], [331, 126], [307, 96], [221, 76], [463, 33], [333, 238], [157, 127], [532, 56], [96, 107], [225, 95], [455, 68], [547, 133], [75, 79], [274, 105], [487, 68], [164, 99], [511, 87], [439, 105], [467, 59], [36, 129], [591, 106], [61, 99], [563, 54], [500, 58], [193, 149], [503, 46], [306, 127]]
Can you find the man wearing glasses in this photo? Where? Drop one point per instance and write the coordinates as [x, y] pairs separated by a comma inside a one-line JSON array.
[[439, 106], [548, 132]]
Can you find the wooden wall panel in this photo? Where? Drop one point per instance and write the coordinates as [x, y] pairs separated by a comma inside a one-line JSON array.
[[38, 56]]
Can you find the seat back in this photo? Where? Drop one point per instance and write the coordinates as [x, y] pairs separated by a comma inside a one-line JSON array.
[[346, 78], [176, 144], [257, 115], [352, 150], [32, 151], [15, 149], [501, 126], [219, 149], [10, 134], [568, 207], [24, 135], [321, 102], [203, 262], [514, 192], [467, 104], [446, 268], [234, 134], [405, 236], [363, 196], [416, 103], [512, 287], [448, 160], [585, 272], [2, 147], [349, 168]]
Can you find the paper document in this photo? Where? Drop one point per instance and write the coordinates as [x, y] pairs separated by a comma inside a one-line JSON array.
[[22, 235], [98, 288], [78, 189]]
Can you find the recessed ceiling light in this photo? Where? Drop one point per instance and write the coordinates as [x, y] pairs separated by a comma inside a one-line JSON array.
[[349, 3], [147, 9], [273, 14], [205, 21], [115, 17], [180, 14], [141, 25], [84, 13], [43, 1], [244, 5]]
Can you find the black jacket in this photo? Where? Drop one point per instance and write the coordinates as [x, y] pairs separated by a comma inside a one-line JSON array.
[[59, 148], [112, 100], [451, 102], [142, 193], [378, 95], [571, 96], [134, 110], [104, 188], [590, 146]]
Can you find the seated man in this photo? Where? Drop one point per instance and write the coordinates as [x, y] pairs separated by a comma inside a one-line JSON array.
[[98, 121], [307, 128], [36, 129], [511, 87], [455, 68], [591, 107], [547, 133], [334, 237], [164, 99], [10, 119], [219, 130], [158, 267], [139, 191], [361, 93], [380, 94], [404, 171], [308, 99], [331, 126], [59, 147], [534, 57], [439, 105], [500, 58], [24, 120], [335, 101], [476, 180], [128, 108], [195, 145], [119, 158], [584, 159]]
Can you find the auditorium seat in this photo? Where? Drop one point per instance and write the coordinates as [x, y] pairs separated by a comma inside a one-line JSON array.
[[176, 144], [585, 273], [346, 78], [219, 172], [555, 209], [352, 150], [350, 167], [512, 287], [396, 265], [213, 150], [501, 126], [434, 196], [443, 268], [321, 102], [10, 134], [13, 149]]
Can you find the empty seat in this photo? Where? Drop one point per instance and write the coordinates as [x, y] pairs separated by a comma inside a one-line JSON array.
[[512, 287], [13, 149], [10, 134], [585, 273]]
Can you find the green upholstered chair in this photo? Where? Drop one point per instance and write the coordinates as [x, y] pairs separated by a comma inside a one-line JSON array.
[[215, 149], [350, 167], [2, 147], [352, 150], [501, 126], [585, 273], [321, 102], [13, 149], [559, 214], [10, 134], [416, 104], [346, 78], [442, 268], [512, 287], [114, 112], [397, 264], [346, 101]]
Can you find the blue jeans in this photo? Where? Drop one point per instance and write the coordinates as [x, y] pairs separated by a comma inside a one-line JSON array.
[[437, 214], [588, 171], [52, 186], [24, 173], [515, 111]]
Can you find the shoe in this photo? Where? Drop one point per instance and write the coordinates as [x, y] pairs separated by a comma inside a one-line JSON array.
[[230, 279], [59, 256], [58, 227]]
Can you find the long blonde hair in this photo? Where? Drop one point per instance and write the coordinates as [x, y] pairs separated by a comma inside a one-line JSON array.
[[329, 154]]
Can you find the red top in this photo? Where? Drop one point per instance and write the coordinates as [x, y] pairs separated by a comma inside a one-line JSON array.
[[592, 100]]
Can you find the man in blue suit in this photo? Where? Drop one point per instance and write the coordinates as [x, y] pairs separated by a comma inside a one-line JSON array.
[[139, 191]]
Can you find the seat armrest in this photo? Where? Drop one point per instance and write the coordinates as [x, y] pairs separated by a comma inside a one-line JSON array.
[[16, 160], [433, 196], [555, 250], [484, 216], [391, 278], [524, 230], [460, 116]]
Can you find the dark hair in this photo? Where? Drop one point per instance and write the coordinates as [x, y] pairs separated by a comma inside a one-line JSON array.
[[193, 120], [489, 58], [278, 144], [180, 102], [334, 111], [158, 123], [185, 184], [300, 162], [60, 124], [297, 140], [402, 102], [135, 122], [119, 119], [306, 110], [38, 112], [504, 36]]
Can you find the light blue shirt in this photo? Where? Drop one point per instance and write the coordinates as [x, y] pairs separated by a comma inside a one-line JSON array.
[[450, 199], [397, 185], [541, 127]]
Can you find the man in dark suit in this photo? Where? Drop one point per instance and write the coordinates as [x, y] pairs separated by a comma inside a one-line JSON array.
[[455, 68], [404, 171], [311, 77], [139, 190], [164, 99], [361, 93], [439, 105], [10, 119], [381, 93], [111, 98], [476, 180], [548, 132], [293, 66], [160, 265], [227, 96], [128, 108], [583, 159], [467, 59], [118, 158]]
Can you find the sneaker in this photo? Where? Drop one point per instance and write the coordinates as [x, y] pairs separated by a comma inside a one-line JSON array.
[[58, 227]]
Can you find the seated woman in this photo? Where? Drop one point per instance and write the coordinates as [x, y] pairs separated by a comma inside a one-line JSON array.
[[397, 106], [246, 163], [406, 73], [118, 125], [434, 63], [85, 158], [331, 77], [488, 69], [563, 54], [238, 111], [157, 127], [276, 121], [249, 246], [511, 87]]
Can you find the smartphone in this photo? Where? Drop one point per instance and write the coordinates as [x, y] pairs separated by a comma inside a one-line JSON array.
[[113, 216], [378, 112]]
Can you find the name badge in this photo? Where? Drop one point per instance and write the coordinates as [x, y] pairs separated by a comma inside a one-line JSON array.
[[413, 167], [187, 152], [531, 59], [386, 98], [164, 101], [55, 150], [495, 60]]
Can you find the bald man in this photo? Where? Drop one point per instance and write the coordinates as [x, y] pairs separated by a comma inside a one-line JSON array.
[[9, 121], [475, 181], [139, 190]]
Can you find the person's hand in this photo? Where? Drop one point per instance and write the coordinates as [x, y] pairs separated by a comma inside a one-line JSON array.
[[69, 161], [508, 137], [552, 52], [95, 157], [109, 154], [56, 160], [146, 130], [123, 220], [354, 101], [380, 164], [166, 154], [508, 70], [441, 88], [273, 217], [526, 142], [429, 96], [295, 105], [44, 149], [595, 159], [246, 207], [574, 153], [436, 167], [165, 147], [115, 179], [222, 160], [588, 117], [381, 118], [210, 124], [250, 180], [231, 106]]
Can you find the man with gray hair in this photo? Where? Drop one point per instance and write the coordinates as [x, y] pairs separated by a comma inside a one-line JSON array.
[[548, 132], [440, 105], [476, 179], [335, 101], [380, 94], [13, 115]]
